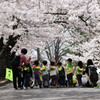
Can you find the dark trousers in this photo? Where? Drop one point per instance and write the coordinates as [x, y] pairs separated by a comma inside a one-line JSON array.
[[16, 74], [37, 79], [70, 79], [54, 80], [22, 81], [61, 80], [79, 76], [27, 80], [45, 80]]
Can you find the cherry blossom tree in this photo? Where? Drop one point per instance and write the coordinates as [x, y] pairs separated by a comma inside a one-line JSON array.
[[80, 19]]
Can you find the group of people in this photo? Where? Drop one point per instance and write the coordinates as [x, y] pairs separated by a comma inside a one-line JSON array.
[[52, 75]]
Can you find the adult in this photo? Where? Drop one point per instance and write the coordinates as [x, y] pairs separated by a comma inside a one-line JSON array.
[[17, 71], [91, 71]]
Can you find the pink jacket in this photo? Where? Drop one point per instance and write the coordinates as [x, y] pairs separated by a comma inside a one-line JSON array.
[[23, 60], [34, 71]]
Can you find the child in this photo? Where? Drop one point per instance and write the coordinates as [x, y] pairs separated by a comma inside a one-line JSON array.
[[79, 72], [53, 74], [45, 74], [36, 71], [69, 72], [27, 73], [61, 74]]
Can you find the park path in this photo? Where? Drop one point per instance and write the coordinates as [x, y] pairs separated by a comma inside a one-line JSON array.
[[8, 93]]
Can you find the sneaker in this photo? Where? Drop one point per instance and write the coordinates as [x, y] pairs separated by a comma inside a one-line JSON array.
[[19, 88], [16, 88], [34, 87], [80, 86], [28, 88], [38, 87], [25, 88]]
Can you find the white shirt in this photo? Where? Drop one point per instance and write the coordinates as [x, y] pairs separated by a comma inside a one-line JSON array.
[[46, 71], [54, 72]]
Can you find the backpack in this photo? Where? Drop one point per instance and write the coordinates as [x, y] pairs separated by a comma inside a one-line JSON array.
[[80, 70], [15, 62], [62, 72], [27, 69], [37, 68], [93, 74]]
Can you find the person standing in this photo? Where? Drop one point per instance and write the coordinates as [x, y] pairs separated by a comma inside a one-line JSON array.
[[91, 71], [27, 73], [53, 74], [69, 71], [61, 75], [36, 71], [45, 74], [18, 61], [79, 72]]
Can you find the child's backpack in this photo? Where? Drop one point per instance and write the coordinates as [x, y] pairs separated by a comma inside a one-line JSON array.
[[80, 70], [27, 69], [43, 68], [93, 75], [15, 62], [37, 68], [53, 68], [61, 71]]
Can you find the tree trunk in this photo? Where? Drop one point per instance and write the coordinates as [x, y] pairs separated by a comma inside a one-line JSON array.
[[6, 55], [38, 54]]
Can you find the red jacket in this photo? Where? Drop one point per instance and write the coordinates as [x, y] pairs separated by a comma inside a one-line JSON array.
[[23, 60]]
